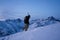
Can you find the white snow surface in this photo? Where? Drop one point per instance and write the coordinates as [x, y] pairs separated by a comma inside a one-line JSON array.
[[50, 32]]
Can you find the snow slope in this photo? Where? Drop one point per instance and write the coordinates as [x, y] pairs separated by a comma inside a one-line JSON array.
[[50, 32]]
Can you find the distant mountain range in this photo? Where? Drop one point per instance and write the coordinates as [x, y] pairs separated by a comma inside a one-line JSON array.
[[43, 22], [11, 26]]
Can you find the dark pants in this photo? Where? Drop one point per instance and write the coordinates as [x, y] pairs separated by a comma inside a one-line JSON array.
[[26, 27]]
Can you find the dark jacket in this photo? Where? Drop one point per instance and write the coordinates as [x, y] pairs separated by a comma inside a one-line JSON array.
[[26, 19]]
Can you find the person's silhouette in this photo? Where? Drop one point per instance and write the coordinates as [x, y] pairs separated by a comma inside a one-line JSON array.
[[26, 21]]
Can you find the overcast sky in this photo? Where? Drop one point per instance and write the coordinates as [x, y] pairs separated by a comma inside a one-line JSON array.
[[36, 8]]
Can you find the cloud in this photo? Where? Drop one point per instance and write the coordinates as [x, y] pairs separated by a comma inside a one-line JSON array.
[[5, 13]]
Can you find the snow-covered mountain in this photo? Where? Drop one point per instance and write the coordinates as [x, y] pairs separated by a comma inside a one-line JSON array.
[[11, 26], [43, 22], [50, 32]]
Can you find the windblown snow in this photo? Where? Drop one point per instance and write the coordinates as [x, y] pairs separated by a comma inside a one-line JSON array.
[[50, 32]]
